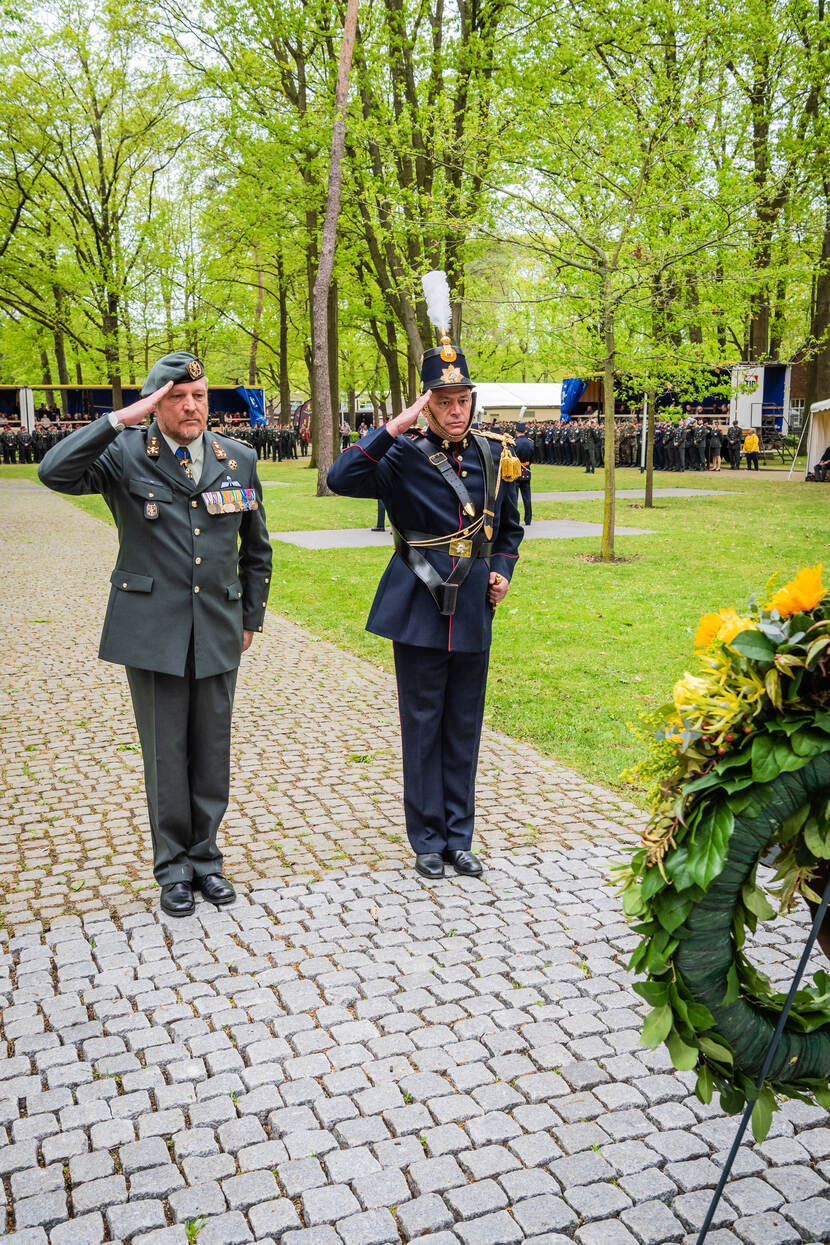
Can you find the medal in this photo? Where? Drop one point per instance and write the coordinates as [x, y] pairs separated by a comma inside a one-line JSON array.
[[151, 510]]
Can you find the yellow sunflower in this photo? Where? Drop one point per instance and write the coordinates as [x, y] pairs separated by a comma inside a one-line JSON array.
[[800, 595]]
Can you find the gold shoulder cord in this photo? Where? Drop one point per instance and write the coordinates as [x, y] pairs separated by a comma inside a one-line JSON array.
[[509, 466]]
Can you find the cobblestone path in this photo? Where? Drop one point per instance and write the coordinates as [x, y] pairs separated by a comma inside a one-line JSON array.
[[362, 1058]]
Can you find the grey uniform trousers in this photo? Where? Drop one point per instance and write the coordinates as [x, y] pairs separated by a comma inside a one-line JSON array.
[[184, 725]]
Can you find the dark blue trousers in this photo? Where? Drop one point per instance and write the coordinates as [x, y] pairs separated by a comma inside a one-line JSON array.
[[441, 705], [524, 490]]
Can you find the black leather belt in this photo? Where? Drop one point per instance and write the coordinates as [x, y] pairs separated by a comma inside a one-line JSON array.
[[444, 592]]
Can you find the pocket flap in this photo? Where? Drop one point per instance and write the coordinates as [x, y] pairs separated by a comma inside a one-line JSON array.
[[234, 591], [128, 581], [150, 492]]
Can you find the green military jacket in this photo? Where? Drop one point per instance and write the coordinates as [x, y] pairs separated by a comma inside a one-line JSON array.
[[181, 571]]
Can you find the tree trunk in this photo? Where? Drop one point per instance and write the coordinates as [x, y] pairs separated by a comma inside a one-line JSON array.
[[47, 378], [111, 356], [609, 506], [818, 364], [328, 241], [648, 432], [333, 368], [285, 382], [257, 321]]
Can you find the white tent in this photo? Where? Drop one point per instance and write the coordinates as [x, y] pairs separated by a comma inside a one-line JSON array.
[[819, 437], [510, 400]]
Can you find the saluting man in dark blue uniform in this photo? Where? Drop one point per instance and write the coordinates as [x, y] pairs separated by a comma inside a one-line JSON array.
[[450, 497]]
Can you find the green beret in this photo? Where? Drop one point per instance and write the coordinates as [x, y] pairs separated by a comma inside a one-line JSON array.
[[179, 367]]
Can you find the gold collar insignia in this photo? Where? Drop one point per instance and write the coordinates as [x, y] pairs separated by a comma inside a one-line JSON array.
[[153, 447], [218, 451]]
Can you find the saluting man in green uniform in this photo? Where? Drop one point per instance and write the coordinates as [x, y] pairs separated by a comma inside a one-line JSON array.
[[188, 594]]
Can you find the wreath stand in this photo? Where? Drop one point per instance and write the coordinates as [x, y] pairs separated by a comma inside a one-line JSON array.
[[773, 1046]]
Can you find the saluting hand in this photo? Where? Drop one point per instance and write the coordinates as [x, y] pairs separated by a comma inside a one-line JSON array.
[[136, 411], [408, 417]]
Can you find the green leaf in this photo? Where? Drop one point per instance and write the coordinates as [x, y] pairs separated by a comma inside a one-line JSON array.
[[700, 1016], [657, 1026], [756, 902], [632, 902], [677, 868], [683, 1057], [714, 1050], [706, 859], [705, 1084], [651, 883], [792, 825], [655, 993], [733, 986], [762, 1114], [808, 743], [764, 765], [76, 886], [754, 645], [672, 909], [817, 839], [821, 1093]]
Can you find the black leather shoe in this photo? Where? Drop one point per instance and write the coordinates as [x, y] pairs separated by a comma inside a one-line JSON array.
[[464, 862], [177, 899], [216, 889], [429, 865], [377, 529]]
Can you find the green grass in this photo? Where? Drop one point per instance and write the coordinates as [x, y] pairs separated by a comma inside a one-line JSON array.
[[580, 648]]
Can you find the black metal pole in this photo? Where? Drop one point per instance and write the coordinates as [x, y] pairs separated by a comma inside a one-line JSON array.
[[768, 1058]]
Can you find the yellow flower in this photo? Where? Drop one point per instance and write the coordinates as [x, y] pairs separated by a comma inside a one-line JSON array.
[[800, 595], [723, 626], [707, 630]]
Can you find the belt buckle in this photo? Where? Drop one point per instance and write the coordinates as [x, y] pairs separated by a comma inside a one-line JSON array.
[[438, 458], [461, 547]]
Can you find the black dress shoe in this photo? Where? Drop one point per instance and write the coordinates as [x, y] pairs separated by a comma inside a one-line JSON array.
[[177, 899], [464, 862], [216, 889], [377, 529], [429, 864]]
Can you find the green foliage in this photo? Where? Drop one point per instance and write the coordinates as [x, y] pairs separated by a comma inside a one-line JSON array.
[[716, 777]]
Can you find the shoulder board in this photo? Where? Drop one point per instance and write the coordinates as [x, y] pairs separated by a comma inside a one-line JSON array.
[[503, 437]]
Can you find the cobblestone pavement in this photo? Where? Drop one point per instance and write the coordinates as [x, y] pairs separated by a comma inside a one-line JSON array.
[[361, 1059]]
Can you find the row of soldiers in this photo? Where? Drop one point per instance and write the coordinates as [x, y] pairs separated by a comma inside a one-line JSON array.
[[691, 444], [19, 445], [272, 442]]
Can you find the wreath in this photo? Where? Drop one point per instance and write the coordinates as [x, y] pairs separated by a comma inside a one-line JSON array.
[[737, 770]]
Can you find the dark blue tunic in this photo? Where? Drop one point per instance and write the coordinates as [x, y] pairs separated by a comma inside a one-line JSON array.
[[417, 498]]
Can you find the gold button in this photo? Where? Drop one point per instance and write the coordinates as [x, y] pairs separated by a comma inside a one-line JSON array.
[[264, 603], [197, 531], [463, 475], [460, 457], [267, 579], [198, 561], [194, 504], [124, 585], [196, 589], [259, 628], [151, 494]]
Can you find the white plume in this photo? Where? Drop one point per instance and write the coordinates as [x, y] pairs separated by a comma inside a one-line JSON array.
[[437, 295]]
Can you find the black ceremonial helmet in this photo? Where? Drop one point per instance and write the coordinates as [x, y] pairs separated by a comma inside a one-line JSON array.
[[444, 367]]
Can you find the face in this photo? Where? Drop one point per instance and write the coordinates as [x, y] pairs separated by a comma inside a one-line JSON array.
[[183, 411], [451, 407]]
